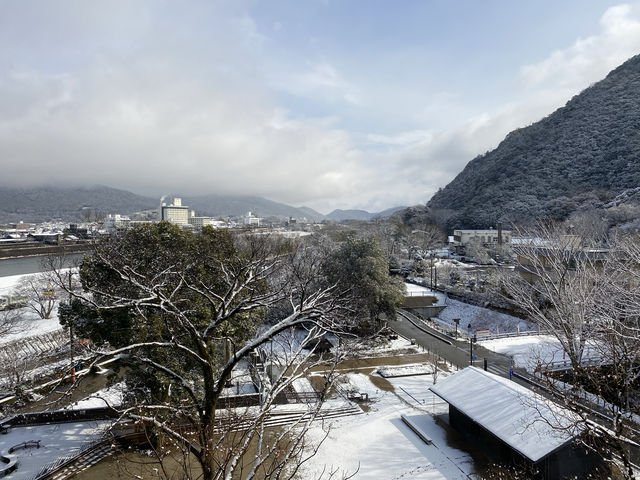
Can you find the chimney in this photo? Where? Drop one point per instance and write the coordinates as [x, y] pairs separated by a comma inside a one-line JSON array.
[[499, 233]]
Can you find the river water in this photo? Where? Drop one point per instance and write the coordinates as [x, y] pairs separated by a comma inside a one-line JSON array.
[[22, 265]]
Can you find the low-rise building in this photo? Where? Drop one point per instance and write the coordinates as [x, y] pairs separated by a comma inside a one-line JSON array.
[[115, 221], [489, 238]]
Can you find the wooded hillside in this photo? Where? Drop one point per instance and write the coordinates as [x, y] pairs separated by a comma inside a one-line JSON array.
[[579, 157]]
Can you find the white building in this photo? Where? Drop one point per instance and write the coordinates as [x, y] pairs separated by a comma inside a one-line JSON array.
[[250, 219], [175, 212], [199, 222], [491, 237], [116, 222]]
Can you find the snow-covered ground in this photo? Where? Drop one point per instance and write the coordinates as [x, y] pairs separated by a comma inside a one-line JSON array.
[[107, 397], [30, 324], [57, 440], [378, 445], [241, 383], [480, 318], [384, 347], [7, 284], [414, 290], [529, 351], [414, 369]]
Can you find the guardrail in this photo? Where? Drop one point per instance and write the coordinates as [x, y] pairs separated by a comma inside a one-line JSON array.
[[522, 333], [567, 365], [36, 345]]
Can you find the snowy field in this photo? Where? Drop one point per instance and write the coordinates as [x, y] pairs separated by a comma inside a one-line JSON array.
[[56, 441], [385, 347], [378, 445], [478, 317], [107, 397], [529, 351], [481, 318], [405, 370], [30, 324]]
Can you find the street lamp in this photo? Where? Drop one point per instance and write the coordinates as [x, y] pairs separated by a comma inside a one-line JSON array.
[[470, 345]]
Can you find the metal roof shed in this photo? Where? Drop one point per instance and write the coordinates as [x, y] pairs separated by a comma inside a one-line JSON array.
[[514, 423]]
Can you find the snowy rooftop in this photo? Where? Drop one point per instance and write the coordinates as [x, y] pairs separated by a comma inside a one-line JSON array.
[[514, 414]]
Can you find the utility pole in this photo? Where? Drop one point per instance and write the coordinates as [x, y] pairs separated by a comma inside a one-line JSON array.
[[73, 367], [71, 322], [470, 345]]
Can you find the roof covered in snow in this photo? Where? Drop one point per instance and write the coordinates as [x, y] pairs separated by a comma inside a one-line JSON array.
[[527, 422]]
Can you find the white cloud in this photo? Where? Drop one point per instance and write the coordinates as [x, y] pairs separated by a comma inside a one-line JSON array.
[[423, 161], [589, 59], [320, 80], [184, 111]]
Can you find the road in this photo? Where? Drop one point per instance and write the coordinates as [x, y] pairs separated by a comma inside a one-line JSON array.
[[453, 351]]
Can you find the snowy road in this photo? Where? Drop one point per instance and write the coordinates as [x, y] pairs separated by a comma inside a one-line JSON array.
[[456, 353]]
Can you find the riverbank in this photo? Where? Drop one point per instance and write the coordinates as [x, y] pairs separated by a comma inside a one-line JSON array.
[[35, 249]]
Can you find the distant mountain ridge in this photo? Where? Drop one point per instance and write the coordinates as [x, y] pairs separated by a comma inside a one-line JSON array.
[[579, 157], [223, 205], [339, 215], [42, 204], [76, 204]]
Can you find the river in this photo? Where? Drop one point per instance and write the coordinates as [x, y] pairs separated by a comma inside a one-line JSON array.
[[22, 265]]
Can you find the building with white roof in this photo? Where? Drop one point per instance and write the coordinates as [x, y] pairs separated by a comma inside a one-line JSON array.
[[515, 425]]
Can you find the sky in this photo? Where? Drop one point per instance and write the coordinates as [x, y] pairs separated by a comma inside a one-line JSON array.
[[324, 103]]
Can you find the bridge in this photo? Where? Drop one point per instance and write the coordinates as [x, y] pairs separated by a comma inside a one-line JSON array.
[[422, 304]]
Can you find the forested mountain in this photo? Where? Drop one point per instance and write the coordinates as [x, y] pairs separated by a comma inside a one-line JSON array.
[[339, 215], [578, 158], [68, 204]]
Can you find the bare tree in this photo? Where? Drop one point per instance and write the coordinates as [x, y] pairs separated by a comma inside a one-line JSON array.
[[557, 283], [172, 301], [11, 322], [580, 290], [426, 236], [40, 292], [476, 250]]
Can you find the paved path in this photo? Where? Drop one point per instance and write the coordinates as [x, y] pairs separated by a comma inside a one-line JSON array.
[[454, 351]]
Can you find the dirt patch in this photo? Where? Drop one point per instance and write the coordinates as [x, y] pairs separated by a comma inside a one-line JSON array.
[[362, 364], [382, 383]]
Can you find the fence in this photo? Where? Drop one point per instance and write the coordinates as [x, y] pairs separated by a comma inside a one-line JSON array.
[[566, 363], [519, 333], [61, 462], [58, 416], [34, 346]]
